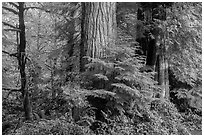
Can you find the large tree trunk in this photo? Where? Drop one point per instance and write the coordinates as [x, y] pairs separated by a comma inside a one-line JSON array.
[[22, 63], [98, 29]]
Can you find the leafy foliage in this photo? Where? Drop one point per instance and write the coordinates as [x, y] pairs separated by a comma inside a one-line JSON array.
[[52, 127], [113, 96], [119, 73], [165, 119], [184, 41], [188, 100]]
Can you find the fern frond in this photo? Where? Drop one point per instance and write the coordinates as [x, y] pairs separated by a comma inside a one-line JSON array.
[[101, 76], [126, 89], [102, 94], [98, 64]]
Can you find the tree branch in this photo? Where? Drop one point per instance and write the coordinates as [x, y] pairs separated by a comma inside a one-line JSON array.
[[27, 8], [9, 9], [49, 67], [7, 24], [12, 30], [13, 4], [10, 54], [10, 89]]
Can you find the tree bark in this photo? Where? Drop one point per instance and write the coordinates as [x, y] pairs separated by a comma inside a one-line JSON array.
[[166, 78], [22, 63], [98, 29], [82, 60], [71, 42], [161, 71], [163, 76]]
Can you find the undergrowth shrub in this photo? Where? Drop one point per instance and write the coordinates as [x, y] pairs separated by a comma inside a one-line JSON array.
[[188, 100], [118, 76], [165, 120], [192, 121], [52, 127]]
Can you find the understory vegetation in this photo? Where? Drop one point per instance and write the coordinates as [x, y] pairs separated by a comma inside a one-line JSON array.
[[117, 94]]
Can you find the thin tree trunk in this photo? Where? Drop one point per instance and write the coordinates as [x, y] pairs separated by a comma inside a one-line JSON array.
[[98, 28], [38, 32], [71, 42], [53, 63], [82, 60], [22, 63], [166, 78], [161, 72], [163, 75]]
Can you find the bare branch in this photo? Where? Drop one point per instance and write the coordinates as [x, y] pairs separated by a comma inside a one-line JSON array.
[[42, 47], [11, 54], [7, 24], [27, 8], [12, 30], [10, 89], [10, 9], [48, 66], [13, 4]]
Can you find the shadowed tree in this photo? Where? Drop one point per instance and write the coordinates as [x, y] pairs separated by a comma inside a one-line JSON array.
[[18, 9], [156, 49]]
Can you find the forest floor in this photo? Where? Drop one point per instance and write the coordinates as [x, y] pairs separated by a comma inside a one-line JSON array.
[[164, 119], [192, 123], [196, 132]]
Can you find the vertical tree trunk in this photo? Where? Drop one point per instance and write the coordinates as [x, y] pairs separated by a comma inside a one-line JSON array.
[[166, 78], [163, 75], [161, 71], [38, 32], [82, 60], [22, 63], [163, 62], [53, 63], [98, 28], [156, 55], [71, 42]]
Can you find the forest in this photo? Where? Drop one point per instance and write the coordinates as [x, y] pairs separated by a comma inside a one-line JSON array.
[[101, 68]]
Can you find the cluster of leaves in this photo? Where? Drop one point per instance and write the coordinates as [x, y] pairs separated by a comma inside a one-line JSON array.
[[184, 41], [189, 104], [182, 30], [67, 33], [192, 121], [188, 100], [166, 118]]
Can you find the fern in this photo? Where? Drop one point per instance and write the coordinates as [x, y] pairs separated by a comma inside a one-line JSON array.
[[122, 88], [102, 94], [117, 78], [192, 99], [101, 76]]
